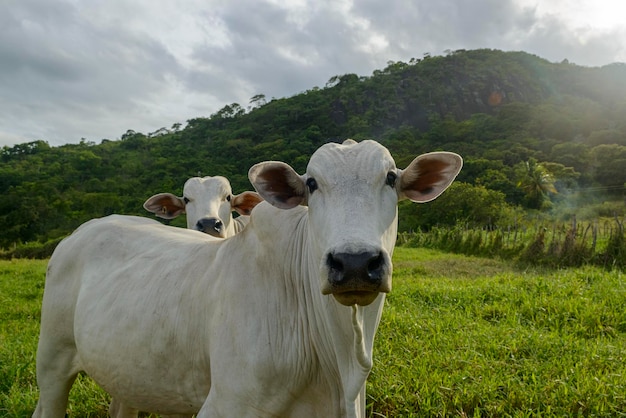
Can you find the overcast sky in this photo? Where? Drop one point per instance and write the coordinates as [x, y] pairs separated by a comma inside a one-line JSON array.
[[72, 69]]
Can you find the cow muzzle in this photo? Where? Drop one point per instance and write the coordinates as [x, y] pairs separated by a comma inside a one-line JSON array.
[[211, 226], [357, 277]]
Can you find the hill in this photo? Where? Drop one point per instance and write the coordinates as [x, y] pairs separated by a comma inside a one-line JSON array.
[[511, 115]]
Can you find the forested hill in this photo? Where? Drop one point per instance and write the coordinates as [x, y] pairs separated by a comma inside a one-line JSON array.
[[510, 115]]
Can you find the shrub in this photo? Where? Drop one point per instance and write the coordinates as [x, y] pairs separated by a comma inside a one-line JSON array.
[[35, 250]]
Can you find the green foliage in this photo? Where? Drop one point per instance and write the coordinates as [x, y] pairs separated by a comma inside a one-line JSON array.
[[614, 255], [497, 109], [32, 250], [557, 246], [608, 163], [537, 182], [463, 203]]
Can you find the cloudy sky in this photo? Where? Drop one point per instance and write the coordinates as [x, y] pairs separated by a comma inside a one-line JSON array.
[[72, 69]]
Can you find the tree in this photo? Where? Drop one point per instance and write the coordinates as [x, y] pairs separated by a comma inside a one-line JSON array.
[[536, 182], [257, 100], [232, 110], [462, 202], [608, 164]]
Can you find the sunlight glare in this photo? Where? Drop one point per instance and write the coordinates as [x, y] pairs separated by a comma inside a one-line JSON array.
[[582, 14]]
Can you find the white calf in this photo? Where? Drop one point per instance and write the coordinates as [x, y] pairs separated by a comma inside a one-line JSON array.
[[208, 203]]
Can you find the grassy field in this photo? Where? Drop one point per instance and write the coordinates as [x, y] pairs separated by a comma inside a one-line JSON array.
[[460, 337]]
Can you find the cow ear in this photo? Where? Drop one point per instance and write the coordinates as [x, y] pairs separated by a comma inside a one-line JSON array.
[[428, 176], [165, 205], [278, 184], [244, 203]]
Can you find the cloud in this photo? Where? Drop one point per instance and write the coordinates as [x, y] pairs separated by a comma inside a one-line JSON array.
[[62, 69], [72, 69], [553, 40]]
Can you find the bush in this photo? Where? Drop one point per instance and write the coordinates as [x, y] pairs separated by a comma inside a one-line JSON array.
[[462, 202], [35, 250]]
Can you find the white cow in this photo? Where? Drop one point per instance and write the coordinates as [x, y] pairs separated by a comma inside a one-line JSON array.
[[278, 320], [208, 203]]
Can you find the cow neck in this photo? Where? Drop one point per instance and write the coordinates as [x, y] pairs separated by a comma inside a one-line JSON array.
[[341, 336], [239, 223]]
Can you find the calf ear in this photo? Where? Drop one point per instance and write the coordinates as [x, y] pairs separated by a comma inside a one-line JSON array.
[[165, 205], [278, 184], [428, 176], [244, 203]]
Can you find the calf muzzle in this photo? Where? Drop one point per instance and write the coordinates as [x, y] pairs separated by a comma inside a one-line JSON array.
[[211, 226]]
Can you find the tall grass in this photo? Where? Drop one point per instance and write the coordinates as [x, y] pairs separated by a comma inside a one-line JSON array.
[[554, 245], [460, 336]]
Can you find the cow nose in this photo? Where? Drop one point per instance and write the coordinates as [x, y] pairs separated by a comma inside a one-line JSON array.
[[353, 268], [211, 226]]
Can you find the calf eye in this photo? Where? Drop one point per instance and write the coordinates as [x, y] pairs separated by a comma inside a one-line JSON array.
[[185, 200], [311, 184], [391, 179], [228, 198]]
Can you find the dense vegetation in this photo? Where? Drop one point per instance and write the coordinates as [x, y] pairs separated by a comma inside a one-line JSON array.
[[537, 137], [459, 337]]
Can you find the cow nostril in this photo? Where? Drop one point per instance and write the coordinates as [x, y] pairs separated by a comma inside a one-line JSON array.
[[375, 263], [218, 225], [334, 263]]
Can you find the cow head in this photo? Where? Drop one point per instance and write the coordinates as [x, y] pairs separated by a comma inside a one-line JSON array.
[[352, 190], [208, 203]]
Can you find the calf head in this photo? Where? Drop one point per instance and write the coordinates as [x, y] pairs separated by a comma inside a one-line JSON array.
[[208, 203], [352, 190]]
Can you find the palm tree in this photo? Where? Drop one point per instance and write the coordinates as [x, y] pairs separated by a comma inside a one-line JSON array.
[[536, 182]]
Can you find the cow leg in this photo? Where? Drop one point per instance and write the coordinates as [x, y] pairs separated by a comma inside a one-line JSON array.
[[218, 406], [117, 409], [53, 400], [55, 376]]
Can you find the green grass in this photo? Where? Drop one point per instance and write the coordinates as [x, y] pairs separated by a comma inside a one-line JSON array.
[[460, 337], [464, 336], [21, 290]]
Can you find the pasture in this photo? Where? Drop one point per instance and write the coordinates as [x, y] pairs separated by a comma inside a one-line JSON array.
[[460, 336]]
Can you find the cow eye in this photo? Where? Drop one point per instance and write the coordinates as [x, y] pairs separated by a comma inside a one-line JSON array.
[[185, 200], [311, 184], [228, 198], [391, 179]]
